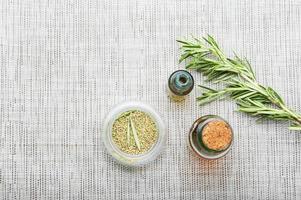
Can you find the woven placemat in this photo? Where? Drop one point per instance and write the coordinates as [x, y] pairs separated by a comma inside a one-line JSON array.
[[64, 64]]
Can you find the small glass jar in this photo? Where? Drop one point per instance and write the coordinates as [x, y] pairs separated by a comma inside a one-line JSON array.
[[132, 159], [180, 84], [196, 144]]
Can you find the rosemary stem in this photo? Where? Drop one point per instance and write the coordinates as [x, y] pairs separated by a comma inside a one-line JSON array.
[[239, 80], [280, 105], [295, 116]]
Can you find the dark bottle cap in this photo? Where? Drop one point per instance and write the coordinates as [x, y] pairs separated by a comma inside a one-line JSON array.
[[181, 82]]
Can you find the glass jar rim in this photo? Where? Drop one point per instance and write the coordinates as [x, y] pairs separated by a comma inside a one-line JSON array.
[[132, 159]]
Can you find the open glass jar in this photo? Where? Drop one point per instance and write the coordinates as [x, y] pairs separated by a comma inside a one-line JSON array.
[[114, 149]]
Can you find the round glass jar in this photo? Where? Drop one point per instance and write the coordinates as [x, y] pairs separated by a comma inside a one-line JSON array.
[[196, 144], [133, 159]]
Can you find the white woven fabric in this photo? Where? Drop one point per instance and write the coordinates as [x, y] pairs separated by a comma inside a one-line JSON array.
[[63, 64]]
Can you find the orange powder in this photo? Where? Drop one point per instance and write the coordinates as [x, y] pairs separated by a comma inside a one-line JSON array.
[[217, 135]]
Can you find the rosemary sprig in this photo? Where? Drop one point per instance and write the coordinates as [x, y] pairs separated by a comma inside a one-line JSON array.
[[238, 79], [134, 131], [126, 114], [128, 133]]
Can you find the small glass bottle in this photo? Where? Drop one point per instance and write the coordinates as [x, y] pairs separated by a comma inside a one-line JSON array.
[[180, 84], [196, 139]]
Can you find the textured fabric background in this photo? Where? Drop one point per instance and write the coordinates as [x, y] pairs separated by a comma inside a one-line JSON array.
[[64, 64]]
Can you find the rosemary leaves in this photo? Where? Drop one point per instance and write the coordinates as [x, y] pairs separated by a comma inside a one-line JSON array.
[[134, 132], [239, 81]]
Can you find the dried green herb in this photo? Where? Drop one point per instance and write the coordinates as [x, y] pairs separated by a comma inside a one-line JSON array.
[[134, 132], [238, 79]]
